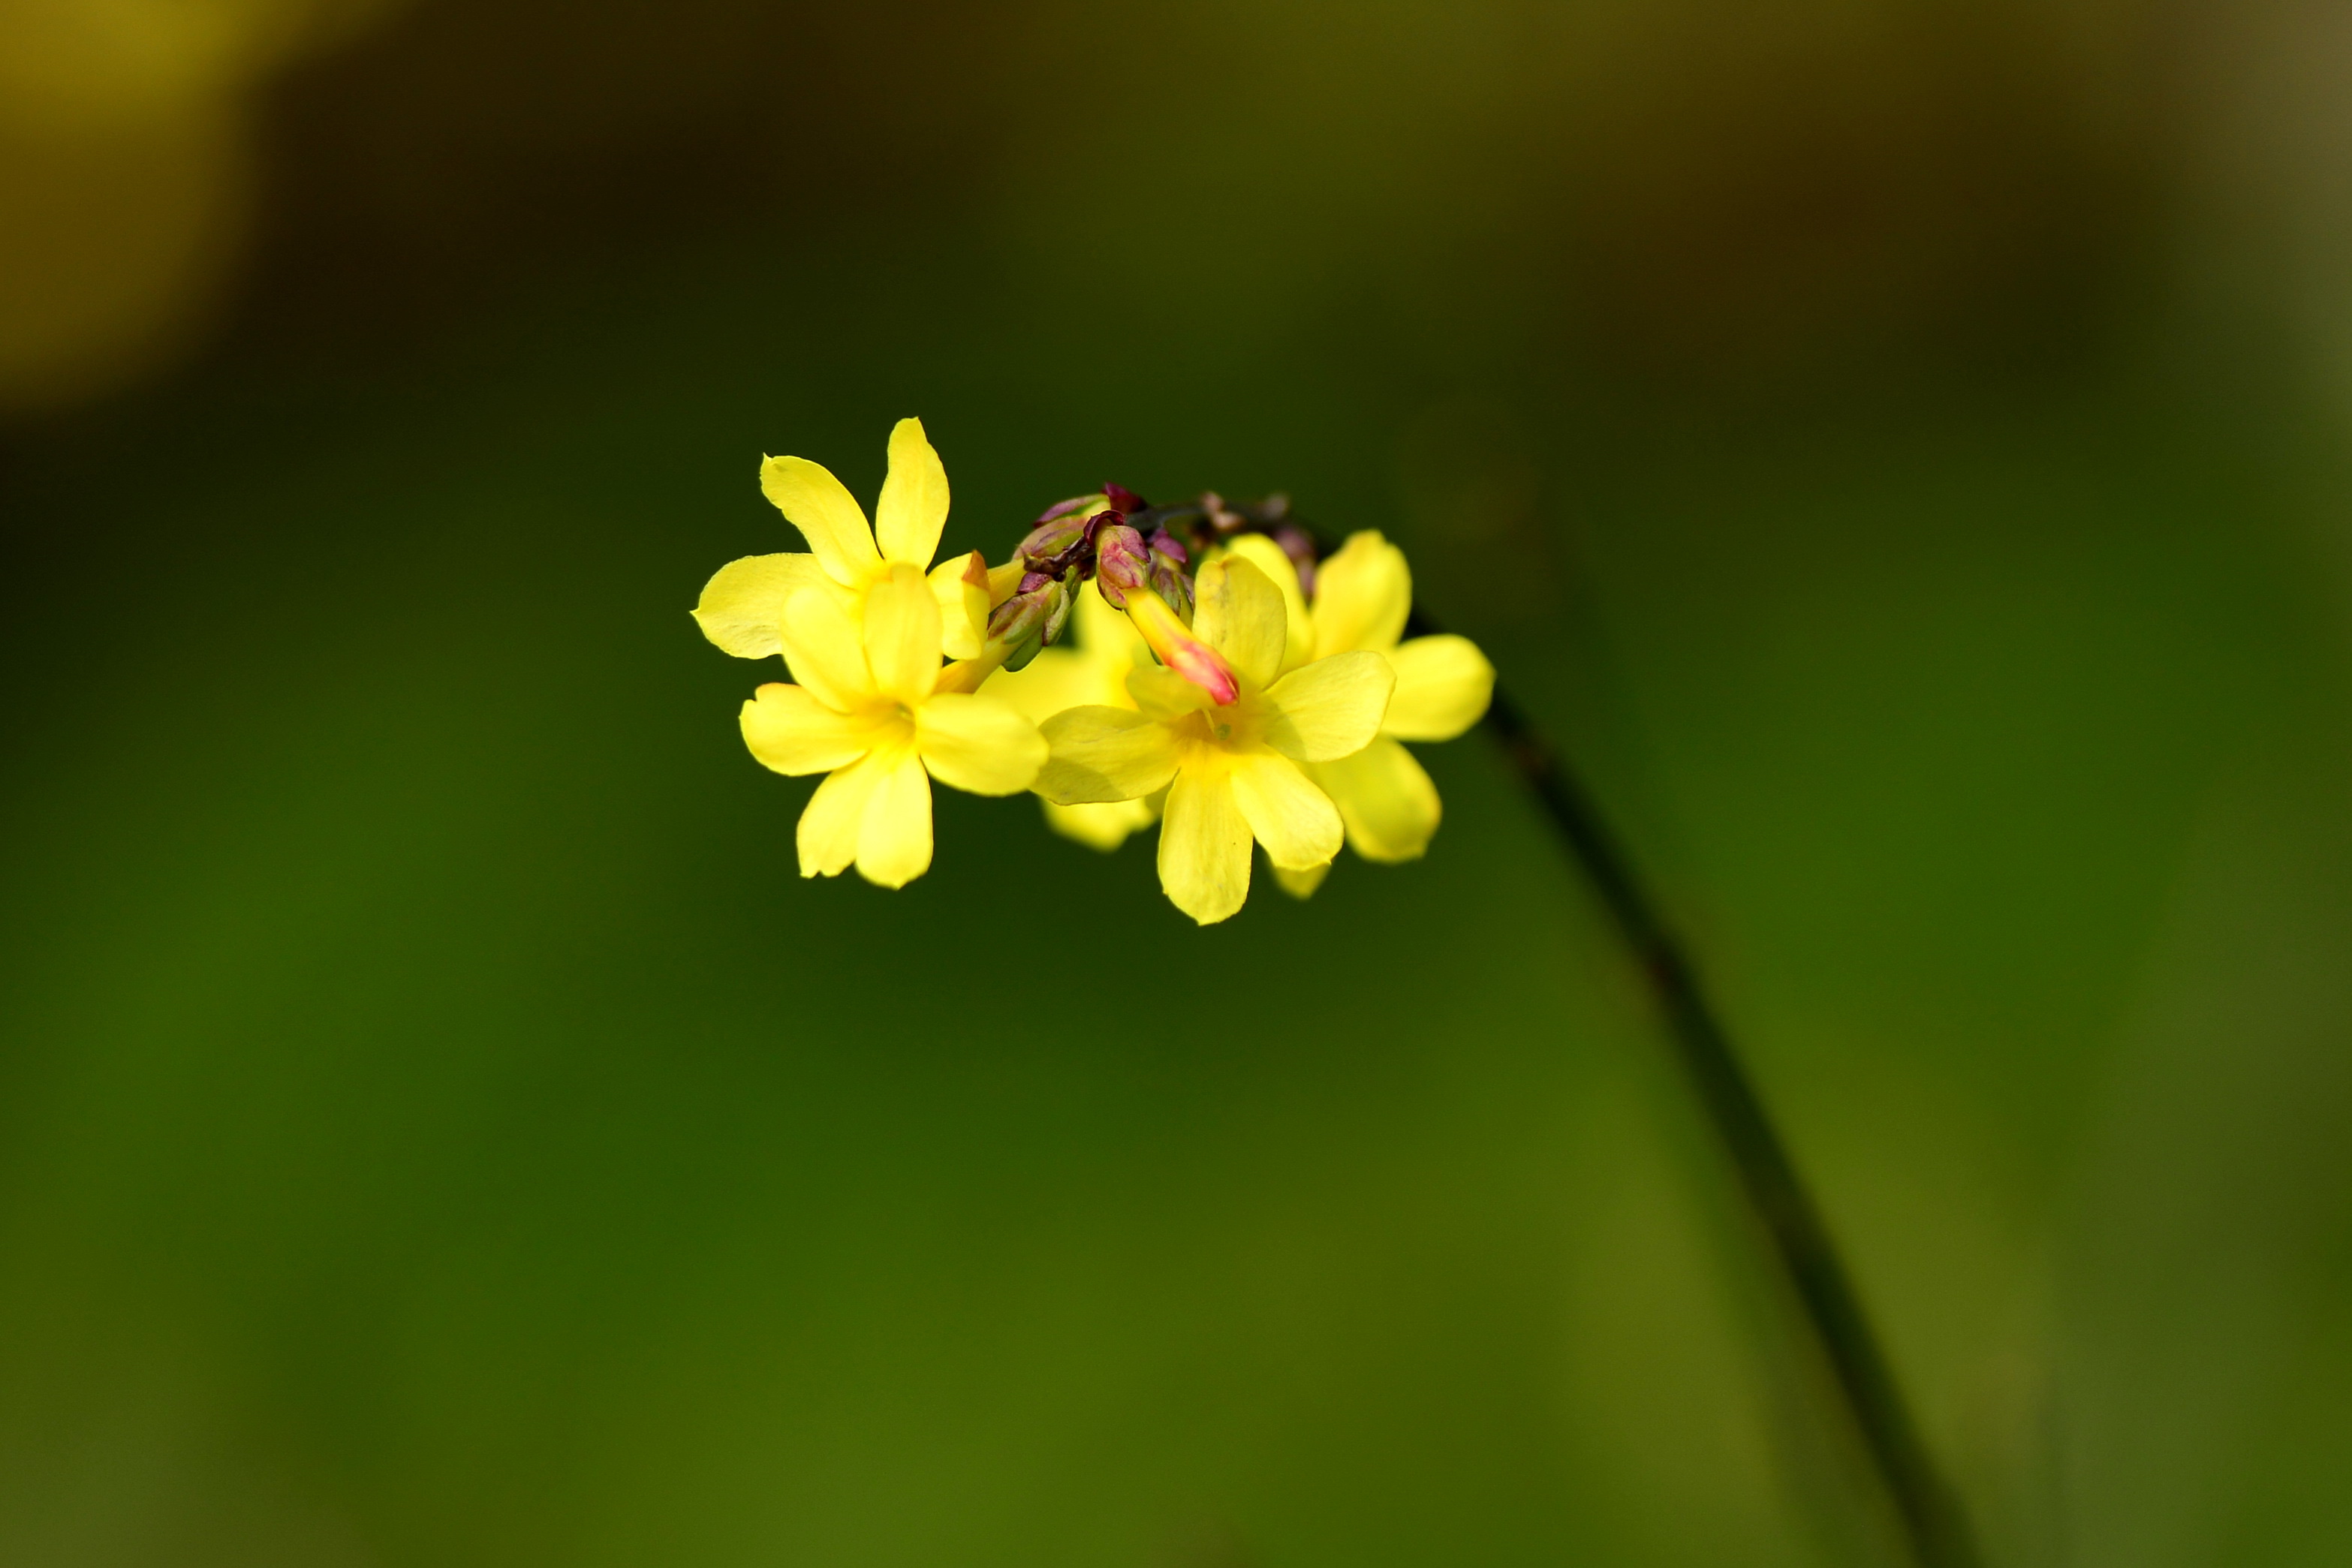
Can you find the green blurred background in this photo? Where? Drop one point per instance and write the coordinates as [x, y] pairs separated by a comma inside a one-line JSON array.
[[1897, 447]]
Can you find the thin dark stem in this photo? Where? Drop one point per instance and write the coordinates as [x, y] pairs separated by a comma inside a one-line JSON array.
[[1930, 1516], [1928, 1510]]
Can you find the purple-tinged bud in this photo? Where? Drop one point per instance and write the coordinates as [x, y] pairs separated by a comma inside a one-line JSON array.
[[1058, 599], [1123, 499], [1030, 620], [1126, 571], [1122, 565], [1019, 619], [1168, 579], [1165, 543], [1050, 546], [1064, 508]]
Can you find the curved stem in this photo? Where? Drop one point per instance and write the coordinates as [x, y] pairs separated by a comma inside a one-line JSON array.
[[1932, 1523], [1933, 1527]]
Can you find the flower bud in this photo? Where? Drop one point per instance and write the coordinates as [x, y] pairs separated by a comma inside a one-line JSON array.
[[1177, 648], [1126, 571], [1029, 620], [1052, 547], [1168, 579], [1018, 619], [1123, 499], [1081, 505], [1058, 599], [1122, 565]]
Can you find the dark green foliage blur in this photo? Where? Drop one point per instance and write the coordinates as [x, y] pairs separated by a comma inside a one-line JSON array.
[[438, 1127]]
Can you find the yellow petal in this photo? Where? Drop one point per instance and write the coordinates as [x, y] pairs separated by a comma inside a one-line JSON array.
[[1330, 707], [1239, 613], [1297, 825], [1388, 802], [902, 636], [825, 649], [789, 730], [1103, 825], [914, 504], [1302, 883], [959, 583], [1057, 679], [1163, 693], [836, 814], [894, 838], [1204, 845], [814, 502], [1298, 629], [1442, 686], [978, 743], [743, 603], [1104, 754], [1362, 595]]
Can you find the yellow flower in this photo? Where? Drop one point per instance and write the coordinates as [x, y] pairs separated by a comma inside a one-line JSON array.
[[744, 605], [1089, 665], [1363, 594], [870, 714], [1232, 771]]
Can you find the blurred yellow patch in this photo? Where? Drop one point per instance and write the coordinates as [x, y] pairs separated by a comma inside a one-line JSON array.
[[126, 174]]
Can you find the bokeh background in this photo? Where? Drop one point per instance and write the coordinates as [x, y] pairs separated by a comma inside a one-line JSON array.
[[1897, 445]]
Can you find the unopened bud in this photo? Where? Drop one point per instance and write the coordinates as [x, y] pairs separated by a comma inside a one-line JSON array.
[[1058, 599], [1030, 620], [1128, 572], [1123, 499], [1080, 504], [1122, 564], [1019, 619], [1168, 579], [1052, 545], [1173, 643]]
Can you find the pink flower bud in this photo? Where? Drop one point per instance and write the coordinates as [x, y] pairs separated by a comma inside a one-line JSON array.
[[1122, 565], [1177, 648]]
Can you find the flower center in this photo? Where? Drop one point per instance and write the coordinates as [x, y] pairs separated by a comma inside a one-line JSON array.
[[1237, 727]]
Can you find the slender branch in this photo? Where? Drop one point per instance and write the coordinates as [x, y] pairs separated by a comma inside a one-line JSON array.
[[1932, 1523], [1928, 1510]]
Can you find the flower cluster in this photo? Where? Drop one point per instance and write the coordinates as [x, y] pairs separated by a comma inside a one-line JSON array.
[[1260, 698]]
